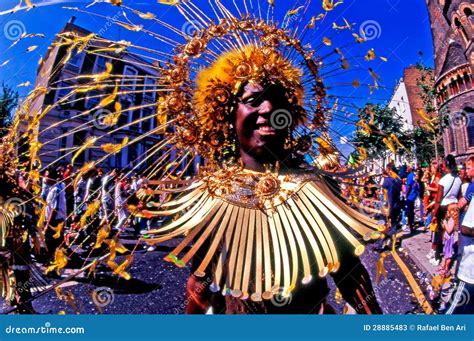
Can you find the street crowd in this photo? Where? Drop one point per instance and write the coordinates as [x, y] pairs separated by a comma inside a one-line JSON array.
[[437, 197], [77, 207]]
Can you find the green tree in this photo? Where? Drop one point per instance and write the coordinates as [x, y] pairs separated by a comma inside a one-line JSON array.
[[428, 134], [380, 128], [8, 103]]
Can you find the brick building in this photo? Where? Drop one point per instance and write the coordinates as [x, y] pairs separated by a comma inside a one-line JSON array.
[[452, 29], [406, 98]]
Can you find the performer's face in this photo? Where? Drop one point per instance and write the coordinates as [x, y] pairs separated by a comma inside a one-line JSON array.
[[257, 137]]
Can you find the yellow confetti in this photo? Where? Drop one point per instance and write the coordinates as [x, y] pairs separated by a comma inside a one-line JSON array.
[[120, 269], [375, 78], [370, 55], [91, 210], [110, 98], [60, 261], [327, 41], [135, 28], [345, 64], [271, 2], [24, 84], [362, 153], [146, 16], [31, 48], [358, 38], [28, 3], [293, 12], [58, 230], [384, 59], [88, 166], [380, 268], [102, 235], [338, 296], [89, 143], [115, 247], [313, 20], [111, 148], [168, 2], [329, 5]]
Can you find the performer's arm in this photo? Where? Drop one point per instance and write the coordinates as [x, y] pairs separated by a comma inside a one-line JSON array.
[[354, 283]]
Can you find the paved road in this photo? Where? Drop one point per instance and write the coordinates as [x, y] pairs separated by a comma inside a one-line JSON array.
[[158, 287]]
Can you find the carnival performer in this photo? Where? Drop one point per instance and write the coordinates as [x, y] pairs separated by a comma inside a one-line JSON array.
[[256, 221]]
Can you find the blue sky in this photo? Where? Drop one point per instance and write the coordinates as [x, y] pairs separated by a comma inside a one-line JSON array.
[[401, 30]]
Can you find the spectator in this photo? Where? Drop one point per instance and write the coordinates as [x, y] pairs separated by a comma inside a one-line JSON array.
[[412, 193], [107, 190], [432, 179], [449, 188], [56, 213], [392, 186], [466, 267], [448, 239]]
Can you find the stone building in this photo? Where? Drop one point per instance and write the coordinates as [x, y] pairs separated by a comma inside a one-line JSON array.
[[66, 125], [452, 27]]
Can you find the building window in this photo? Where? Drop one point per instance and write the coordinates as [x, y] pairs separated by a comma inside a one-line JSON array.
[[135, 122], [129, 80], [467, 80], [147, 116], [63, 90], [75, 62], [100, 64], [118, 157], [92, 99], [451, 137], [149, 88], [133, 153], [124, 116], [470, 127], [63, 142]]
